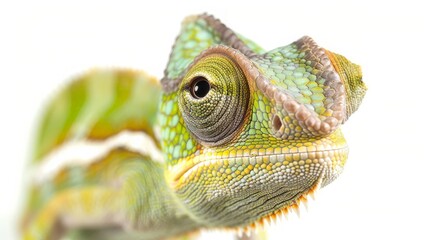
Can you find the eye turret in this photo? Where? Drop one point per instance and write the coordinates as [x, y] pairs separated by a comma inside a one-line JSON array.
[[214, 98]]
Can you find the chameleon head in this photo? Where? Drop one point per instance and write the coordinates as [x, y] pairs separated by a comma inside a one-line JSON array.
[[248, 136]]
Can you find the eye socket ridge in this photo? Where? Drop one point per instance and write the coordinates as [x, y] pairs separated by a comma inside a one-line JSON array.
[[199, 87]]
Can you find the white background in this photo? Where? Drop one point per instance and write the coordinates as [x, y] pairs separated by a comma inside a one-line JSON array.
[[383, 192]]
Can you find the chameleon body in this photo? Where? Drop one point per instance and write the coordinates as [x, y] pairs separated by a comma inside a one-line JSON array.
[[231, 136]]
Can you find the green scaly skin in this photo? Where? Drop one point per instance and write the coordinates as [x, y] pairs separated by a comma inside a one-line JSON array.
[[245, 135]]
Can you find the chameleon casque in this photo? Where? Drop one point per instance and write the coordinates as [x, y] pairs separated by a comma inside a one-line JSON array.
[[231, 136]]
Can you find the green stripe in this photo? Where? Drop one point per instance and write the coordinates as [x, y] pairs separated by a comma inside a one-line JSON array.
[[60, 116], [97, 105]]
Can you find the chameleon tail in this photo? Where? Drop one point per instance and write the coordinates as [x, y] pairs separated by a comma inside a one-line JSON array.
[[97, 105], [81, 145]]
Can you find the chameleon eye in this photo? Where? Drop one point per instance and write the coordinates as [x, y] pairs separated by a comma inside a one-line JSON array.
[[200, 87], [214, 99]]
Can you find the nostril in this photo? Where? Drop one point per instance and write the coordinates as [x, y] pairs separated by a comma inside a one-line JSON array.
[[277, 123]]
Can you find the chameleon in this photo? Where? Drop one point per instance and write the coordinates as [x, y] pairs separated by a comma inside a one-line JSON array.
[[231, 137]]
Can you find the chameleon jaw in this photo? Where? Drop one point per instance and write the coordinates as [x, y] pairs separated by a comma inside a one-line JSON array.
[[269, 185], [271, 218]]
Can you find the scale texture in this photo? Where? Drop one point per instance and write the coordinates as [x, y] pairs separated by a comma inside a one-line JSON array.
[[231, 136]]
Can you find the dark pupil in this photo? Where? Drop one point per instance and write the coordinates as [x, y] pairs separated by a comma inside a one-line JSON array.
[[200, 87]]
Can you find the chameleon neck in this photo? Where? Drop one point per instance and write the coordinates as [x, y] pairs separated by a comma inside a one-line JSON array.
[[152, 210]]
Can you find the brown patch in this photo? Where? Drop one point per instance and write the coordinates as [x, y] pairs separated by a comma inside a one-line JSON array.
[[228, 36], [58, 230], [277, 123]]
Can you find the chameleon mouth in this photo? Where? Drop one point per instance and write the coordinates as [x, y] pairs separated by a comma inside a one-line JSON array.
[[251, 162]]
